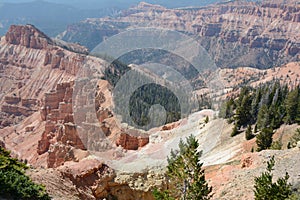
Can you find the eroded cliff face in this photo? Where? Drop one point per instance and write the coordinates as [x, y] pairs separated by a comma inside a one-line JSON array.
[[235, 34], [37, 118]]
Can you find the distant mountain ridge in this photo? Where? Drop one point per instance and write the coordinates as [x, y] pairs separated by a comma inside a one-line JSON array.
[[51, 18], [96, 4], [260, 35]]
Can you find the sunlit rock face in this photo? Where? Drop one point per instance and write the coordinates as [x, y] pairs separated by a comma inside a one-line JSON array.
[[234, 33]]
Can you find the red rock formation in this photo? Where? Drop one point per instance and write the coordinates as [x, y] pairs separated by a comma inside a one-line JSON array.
[[27, 36], [16, 110], [12, 99], [29, 128], [91, 174], [62, 94], [29, 102], [58, 154], [132, 140], [67, 134], [170, 126], [25, 50], [60, 135]]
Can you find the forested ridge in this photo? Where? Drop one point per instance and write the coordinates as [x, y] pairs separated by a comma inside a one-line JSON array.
[[261, 110], [166, 95]]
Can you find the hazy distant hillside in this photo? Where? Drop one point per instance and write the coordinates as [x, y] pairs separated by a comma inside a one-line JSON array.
[[234, 33], [52, 18], [96, 4]]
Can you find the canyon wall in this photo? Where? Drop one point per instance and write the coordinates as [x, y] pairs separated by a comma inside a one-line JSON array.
[[261, 35], [39, 78], [37, 119]]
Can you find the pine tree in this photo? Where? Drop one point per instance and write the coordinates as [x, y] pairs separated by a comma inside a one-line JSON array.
[[185, 174], [255, 128], [226, 110], [249, 135], [243, 111], [291, 105], [263, 118], [265, 189], [255, 105], [235, 131], [264, 139], [162, 195], [298, 112]]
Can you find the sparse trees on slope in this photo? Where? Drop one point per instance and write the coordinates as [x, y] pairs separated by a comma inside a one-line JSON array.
[[268, 106]]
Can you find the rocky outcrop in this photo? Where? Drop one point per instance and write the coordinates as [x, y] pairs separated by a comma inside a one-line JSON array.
[[59, 98], [27, 36], [91, 175], [170, 126], [12, 99], [14, 105], [60, 137], [2, 144], [132, 140], [59, 153], [16, 110], [105, 183]]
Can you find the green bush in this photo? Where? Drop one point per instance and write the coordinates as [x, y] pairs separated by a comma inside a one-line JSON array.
[[295, 138], [14, 184]]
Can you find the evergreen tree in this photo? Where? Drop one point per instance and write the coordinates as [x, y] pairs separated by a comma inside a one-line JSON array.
[[268, 106], [162, 195], [263, 118], [255, 128], [185, 173], [298, 111], [235, 131], [265, 189], [249, 135], [291, 105], [264, 139], [243, 111], [255, 105], [227, 108]]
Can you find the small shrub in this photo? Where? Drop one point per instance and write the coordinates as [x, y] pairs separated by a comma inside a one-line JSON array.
[[206, 120]]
